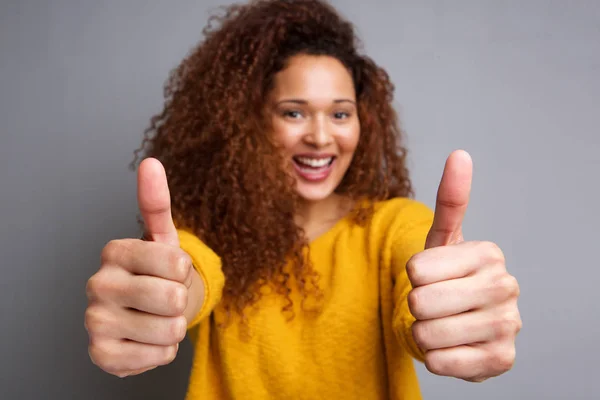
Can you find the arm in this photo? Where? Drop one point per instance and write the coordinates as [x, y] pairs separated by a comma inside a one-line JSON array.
[[464, 301], [409, 239], [206, 288], [196, 295]]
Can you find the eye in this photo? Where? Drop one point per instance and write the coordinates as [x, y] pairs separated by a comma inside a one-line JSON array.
[[341, 115], [292, 114]]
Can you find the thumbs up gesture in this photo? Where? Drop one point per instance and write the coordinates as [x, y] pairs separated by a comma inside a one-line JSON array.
[[136, 301], [463, 299]]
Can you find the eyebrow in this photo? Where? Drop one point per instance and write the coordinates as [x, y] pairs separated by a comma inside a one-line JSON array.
[[300, 101]]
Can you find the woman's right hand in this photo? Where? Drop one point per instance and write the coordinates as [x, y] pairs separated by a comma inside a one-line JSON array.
[[137, 300]]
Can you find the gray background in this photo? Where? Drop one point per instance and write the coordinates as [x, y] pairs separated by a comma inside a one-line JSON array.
[[516, 83]]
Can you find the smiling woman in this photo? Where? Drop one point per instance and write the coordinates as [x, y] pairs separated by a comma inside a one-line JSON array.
[[281, 234], [263, 88]]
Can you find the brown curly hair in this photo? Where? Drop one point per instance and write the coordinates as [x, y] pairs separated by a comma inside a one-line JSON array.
[[223, 166]]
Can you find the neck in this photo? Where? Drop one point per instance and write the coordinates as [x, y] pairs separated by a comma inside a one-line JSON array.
[[316, 217]]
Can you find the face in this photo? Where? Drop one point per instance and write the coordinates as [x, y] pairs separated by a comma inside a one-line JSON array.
[[315, 118]]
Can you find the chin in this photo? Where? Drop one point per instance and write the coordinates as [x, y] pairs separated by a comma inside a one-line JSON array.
[[314, 194]]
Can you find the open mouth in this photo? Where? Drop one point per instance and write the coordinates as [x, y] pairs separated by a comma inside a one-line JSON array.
[[313, 168], [313, 163]]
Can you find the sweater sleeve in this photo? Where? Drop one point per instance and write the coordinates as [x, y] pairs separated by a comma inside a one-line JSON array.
[[409, 239], [208, 265]]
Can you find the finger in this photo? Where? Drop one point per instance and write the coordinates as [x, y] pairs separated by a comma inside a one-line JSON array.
[[439, 264], [154, 201], [144, 293], [155, 296], [472, 362], [151, 329], [136, 326], [447, 298], [141, 371], [466, 328], [149, 258], [443, 299], [119, 356], [452, 200]]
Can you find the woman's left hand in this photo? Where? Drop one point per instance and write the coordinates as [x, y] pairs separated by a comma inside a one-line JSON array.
[[463, 298]]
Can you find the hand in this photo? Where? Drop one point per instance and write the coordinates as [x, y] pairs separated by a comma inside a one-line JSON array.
[[463, 299], [136, 301]]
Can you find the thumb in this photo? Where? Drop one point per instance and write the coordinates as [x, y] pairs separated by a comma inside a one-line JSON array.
[[154, 201], [452, 201]]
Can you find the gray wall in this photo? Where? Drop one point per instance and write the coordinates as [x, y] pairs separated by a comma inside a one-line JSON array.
[[514, 82]]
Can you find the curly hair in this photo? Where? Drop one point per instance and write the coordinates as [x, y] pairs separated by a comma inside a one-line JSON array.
[[223, 166]]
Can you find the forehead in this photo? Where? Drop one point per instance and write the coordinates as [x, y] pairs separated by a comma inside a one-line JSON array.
[[314, 78]]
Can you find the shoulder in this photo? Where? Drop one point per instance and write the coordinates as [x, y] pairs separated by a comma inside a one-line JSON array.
[[396, 220], [401, 212], [399, 228], [399, 221]]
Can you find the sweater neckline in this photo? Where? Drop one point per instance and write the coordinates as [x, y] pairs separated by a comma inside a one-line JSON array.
[[337, 226]]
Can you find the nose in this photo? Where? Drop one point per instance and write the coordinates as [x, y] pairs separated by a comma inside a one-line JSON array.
[[320, 134]]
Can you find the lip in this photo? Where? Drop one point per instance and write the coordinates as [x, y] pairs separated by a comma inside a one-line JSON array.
[[315, 155], [314, 175]]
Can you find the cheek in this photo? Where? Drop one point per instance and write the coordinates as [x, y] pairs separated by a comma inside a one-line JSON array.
[[349, 141], [286, 135]]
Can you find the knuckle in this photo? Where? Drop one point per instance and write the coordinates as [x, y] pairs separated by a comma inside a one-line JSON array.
[[95, 319], [111, 252], [503, 359], [413, 270], [177, 330], [169, 354], [504, 287], [95, 287], [504, 327], [103, 285], [494, 252], [180, 265], [415, 304], [419, 332], [101, 356], [512, 285], [435, 364], [513, 323], [177, 296], [518, 325]]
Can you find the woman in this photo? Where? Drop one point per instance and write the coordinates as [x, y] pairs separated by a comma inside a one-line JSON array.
[[287, 243]]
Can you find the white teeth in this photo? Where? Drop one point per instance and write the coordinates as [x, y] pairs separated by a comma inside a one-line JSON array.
[[315, 162]]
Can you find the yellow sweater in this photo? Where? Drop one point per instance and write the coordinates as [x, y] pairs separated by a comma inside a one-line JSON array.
[[359, 347]]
